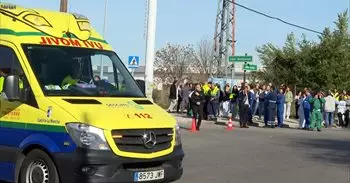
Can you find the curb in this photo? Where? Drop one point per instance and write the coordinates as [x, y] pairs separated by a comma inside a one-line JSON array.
[[185, 123]]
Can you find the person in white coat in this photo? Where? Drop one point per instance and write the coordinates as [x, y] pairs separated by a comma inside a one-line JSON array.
[[329, 109], [301, 111], [341, 110]]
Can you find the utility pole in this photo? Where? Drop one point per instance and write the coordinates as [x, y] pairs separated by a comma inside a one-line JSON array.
[[244, 74], [150, 46], [233, 15], [104, 35], [233, 40], [63, 5]]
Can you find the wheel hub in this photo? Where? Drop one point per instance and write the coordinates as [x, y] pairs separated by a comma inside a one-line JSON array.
[[37, 172]]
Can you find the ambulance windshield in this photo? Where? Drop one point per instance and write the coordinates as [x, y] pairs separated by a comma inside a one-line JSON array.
[[69, 71]]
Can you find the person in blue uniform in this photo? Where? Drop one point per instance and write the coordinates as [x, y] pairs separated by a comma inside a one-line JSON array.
[[272, 98], [307, 108], [280, 107], [261, 101], [266, 104], [251, 104]]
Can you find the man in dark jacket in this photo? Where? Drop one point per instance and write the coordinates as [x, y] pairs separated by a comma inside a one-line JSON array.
[[261, 100], [244, 106], [197, 100], [173, 96], [185, 97], [266, 104], [234, 101]]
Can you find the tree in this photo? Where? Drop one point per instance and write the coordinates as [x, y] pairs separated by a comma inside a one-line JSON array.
[[173, 61], [204, 56], [323, 64]]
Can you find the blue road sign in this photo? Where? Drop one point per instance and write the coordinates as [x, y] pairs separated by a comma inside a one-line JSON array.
[[134, 62]]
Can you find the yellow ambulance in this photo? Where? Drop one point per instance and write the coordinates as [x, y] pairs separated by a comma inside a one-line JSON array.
[[63, 120]]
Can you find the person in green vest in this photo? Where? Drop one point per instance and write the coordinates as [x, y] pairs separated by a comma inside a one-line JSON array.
[[68, 81], [316, 114], [213, 104], [74, 77], [206, 87], [2, 80], [122, 86]]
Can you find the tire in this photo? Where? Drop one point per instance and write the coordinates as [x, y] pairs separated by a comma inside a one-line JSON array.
[[38, 167]]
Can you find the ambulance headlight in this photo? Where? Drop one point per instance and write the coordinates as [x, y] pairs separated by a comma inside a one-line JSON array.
[[177, 135], [86, 136], [37, 20]]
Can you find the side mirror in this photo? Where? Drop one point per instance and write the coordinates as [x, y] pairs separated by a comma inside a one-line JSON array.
[[142, 85], [11, 88]]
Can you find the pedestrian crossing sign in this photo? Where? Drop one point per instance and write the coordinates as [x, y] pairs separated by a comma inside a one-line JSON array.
[[134, 62]]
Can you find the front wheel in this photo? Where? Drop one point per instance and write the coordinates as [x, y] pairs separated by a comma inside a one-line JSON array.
[[38, 167]]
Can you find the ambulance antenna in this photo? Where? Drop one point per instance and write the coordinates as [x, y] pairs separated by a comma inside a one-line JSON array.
[[69, 15]]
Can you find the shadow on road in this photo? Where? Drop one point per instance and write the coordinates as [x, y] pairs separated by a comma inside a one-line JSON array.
[[331, 151]]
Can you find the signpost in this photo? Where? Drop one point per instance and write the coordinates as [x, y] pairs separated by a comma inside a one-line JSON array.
[[133, 63], [250, 67], [240, 59], [246, 66], [244, 59]]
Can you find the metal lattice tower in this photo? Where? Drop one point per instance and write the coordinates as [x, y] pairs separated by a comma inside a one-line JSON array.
[[224, 37]]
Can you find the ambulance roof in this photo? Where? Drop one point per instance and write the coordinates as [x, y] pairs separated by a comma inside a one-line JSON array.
[[34, 26]]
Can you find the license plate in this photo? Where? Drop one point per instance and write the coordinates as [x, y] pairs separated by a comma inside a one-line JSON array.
[[148, 176]]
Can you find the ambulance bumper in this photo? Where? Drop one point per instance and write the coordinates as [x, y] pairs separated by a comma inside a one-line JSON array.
[[106, 167]]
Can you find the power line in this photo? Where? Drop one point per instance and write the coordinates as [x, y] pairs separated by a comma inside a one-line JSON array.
[[276, 18]]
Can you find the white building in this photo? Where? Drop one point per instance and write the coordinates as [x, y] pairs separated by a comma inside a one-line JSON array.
[[138, 73]]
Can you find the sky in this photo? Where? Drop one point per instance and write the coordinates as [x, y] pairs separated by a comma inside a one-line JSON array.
[[189, 21]]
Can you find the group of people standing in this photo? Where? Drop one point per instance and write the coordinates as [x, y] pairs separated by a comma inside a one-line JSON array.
[[199, 100], [308, 109], [209, 101], [267, 101]]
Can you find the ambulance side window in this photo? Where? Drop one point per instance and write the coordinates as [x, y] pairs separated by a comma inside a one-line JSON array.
[[10, 65], [7, 57], [110, 72]]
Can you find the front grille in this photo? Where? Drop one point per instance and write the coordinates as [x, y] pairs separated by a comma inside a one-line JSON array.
[[144, 166], [132, 140]]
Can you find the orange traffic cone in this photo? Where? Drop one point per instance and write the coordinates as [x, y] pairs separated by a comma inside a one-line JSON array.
[[230, 124], [193, 128]]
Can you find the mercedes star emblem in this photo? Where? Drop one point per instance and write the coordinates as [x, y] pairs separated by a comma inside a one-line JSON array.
[[149, 140]]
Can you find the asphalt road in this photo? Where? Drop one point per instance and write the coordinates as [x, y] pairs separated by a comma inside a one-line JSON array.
[[266, 156]]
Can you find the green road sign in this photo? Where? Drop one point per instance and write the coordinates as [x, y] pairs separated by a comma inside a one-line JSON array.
[[250, 67], [240, 59]]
